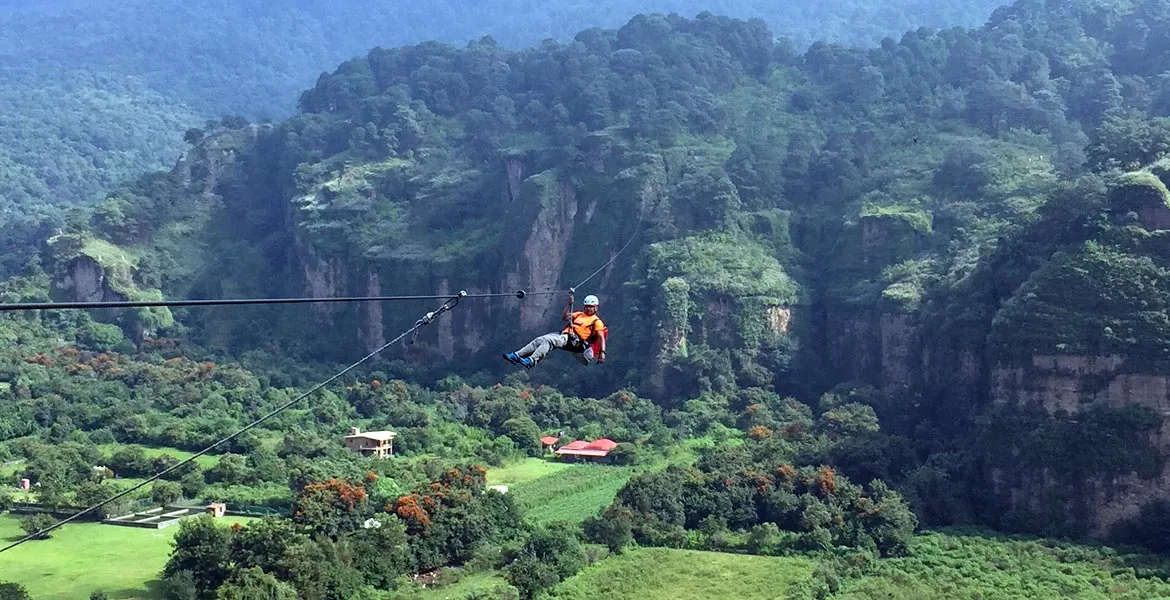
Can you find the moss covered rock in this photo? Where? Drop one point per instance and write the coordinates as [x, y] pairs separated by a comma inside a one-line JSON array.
[[1136, 190], [1093, 299], [725, 283], [94, 270]]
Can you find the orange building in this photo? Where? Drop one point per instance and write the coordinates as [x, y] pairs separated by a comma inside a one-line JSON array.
[[597, 449]]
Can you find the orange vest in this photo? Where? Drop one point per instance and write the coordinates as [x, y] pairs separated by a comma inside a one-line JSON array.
[[585, 326]]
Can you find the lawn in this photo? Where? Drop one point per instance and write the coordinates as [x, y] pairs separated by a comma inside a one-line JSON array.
[[523, 471], [206, 461], [81, 558], [667, 574], [10, 472]]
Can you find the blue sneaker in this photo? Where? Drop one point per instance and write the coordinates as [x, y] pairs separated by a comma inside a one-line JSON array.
[[512, 358], [528, 362]]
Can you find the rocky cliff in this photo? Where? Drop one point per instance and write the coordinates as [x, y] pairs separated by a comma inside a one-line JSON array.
[[1066, 387]]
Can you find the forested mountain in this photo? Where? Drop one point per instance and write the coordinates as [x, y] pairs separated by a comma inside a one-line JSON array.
[[98, 92], [841, 216], [928, 276]]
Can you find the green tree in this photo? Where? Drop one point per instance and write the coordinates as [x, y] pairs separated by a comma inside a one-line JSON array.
[[203, 549], [265, 466], [552, 554], [131, 461], [34, 523], [180, 586], [531, 576], [380, 551], [890, 523], [53, 491], [525, 433], [251, 583], [1129, 142], [13, 591], [231, 469], [762, 537], [849, 420], [614, 528], [90, 493], [192, 483], [165, 492], [331, 508], [264, 543]]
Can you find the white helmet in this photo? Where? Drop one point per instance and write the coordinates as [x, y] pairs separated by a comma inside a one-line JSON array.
[[590, 300]]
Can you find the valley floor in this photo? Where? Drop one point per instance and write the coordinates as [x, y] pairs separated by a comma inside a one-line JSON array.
[[942, 565], [126, 563]]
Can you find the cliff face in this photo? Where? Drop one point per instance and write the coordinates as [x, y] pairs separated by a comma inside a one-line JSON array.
[[887, 350], [82, 279], [548, 227], [1054, 428], [1067, 386]]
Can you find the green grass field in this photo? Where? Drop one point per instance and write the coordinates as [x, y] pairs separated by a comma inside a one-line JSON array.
[[550, 490], [524, 471], [979, 565], [666, 574], [653, 574], [81, 558], [206, 461], [481, 583], [9, 470]]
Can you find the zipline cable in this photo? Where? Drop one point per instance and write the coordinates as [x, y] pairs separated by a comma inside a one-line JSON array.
[[573, 289], [610, 261], [228, 301], [425, 320], [16, 306]]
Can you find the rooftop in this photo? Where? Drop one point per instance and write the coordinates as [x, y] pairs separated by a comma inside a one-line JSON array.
[[599, 447], [373, 435]]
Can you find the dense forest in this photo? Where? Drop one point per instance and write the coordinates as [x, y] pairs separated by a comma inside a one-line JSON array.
[[865, 291], [98, 93]]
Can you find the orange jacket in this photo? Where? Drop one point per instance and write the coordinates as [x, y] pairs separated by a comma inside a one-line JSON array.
[[585, 326]]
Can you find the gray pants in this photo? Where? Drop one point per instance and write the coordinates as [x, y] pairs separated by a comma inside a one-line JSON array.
[[537, 348]]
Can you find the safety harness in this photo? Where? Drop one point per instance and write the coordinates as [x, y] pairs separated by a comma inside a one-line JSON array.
[[576, 344]]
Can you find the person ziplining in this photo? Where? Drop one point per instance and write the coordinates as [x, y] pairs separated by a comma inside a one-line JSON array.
[[584, 336]]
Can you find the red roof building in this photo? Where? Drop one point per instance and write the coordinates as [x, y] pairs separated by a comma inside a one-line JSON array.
[[597, 448], [549, 440]]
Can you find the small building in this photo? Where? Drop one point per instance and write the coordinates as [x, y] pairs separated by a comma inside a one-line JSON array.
[[216, 509], [597, 449], [371, 443], [547, 442]]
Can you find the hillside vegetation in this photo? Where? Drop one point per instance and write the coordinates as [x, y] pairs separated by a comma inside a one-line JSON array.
[[98, 93], [890, 289]]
